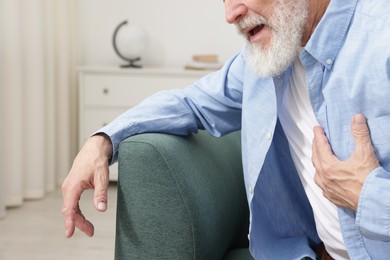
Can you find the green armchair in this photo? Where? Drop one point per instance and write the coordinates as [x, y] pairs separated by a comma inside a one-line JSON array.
[[181, 198]]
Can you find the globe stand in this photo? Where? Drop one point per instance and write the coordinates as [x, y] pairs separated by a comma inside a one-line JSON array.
[[130, 61]]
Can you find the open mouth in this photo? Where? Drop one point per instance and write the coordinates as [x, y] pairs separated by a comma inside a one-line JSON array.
[[253, 27], [252, 32], [255, 30]]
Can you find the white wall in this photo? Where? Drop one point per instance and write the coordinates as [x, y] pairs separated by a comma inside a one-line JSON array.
[[177, 29]]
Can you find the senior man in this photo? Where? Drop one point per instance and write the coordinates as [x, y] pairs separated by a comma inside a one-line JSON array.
[[310, 92]]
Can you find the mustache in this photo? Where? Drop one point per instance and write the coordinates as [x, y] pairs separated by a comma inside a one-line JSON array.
[[251, 22]]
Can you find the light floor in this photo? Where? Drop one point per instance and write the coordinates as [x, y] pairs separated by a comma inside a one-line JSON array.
[[35, 231]]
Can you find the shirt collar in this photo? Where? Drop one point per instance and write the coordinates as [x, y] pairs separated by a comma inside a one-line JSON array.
[[329, 35]]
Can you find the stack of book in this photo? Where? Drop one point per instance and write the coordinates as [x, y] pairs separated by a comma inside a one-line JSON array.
[[203, 62]]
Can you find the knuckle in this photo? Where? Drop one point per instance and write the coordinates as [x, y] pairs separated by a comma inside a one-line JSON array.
[[66, 210], [327, 196], [327, 169], [64, 186], [316, 179], [101, 197]]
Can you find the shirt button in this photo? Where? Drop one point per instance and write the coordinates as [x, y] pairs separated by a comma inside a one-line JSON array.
[[269, 136], [249, 237], [329, 61], [251, 189]]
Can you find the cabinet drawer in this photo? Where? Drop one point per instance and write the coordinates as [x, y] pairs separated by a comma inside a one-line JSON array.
[[126, 91]]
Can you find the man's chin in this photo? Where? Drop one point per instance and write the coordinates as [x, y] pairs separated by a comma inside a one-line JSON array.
[[270, 62]]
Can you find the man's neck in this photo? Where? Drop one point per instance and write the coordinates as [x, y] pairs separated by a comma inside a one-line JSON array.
[[317, 10]]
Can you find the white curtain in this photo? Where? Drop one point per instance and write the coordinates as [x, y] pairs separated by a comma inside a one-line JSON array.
[[38, 97]]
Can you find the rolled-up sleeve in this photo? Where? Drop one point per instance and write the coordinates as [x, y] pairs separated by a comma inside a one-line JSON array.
[[373, 213]]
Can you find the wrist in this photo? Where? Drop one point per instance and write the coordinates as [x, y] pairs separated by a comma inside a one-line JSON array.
[[103, 142]]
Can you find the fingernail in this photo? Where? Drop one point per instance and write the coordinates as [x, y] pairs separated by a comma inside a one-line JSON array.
[[101, 206], [360, 119]]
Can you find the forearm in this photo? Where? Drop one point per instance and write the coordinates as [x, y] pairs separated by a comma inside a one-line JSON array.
[[149, 116], [212, 103], [172, 112]]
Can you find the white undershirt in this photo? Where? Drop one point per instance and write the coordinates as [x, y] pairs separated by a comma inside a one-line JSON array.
[[297, 118]]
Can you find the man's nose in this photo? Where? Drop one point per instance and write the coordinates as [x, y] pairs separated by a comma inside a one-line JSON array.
[[234, 10]]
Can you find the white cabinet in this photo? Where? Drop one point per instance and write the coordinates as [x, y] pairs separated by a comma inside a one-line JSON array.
[[105, 93]]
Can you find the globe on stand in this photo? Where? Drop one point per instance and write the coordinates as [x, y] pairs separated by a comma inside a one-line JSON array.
[[130, 42]]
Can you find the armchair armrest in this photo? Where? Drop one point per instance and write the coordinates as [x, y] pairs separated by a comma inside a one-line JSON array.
[[180, 197]]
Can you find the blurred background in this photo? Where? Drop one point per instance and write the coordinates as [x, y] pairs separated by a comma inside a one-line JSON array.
[[43, 45]]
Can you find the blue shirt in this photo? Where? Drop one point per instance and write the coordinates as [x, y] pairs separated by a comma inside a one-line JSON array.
[[347, 63]]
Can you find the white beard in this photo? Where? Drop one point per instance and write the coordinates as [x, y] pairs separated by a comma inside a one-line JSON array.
[[287, 23]]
